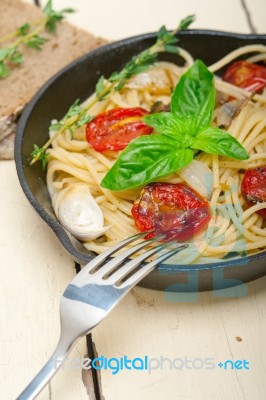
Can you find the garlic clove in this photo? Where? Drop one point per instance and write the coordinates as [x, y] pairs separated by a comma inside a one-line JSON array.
[[79, 213]]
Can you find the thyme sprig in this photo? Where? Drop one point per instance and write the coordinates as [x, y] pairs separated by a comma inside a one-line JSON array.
[[74, 110], [28, 35], [79, 115]]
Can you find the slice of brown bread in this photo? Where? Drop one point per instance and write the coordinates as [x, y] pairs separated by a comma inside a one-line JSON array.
[[17, 89]]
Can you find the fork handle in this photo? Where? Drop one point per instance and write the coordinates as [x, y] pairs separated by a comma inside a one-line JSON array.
[[46, 373]]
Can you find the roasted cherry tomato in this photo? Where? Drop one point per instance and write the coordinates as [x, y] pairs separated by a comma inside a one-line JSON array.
[[174, 209], [251, 77], [114, 129], [253, 187]]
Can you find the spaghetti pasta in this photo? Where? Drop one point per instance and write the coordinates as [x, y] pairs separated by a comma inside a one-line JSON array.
[[233, 229]]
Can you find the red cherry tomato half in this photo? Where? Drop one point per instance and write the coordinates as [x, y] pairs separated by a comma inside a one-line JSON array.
[[114, 129], [251, 77], [253, 187], [169, 208]]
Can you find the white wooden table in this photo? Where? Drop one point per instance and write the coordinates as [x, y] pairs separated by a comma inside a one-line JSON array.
[[35, 270]]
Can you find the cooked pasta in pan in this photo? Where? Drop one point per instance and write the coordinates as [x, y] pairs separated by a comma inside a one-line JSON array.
[[228, 215]]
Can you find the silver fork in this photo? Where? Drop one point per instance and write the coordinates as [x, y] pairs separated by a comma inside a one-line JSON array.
[[93, 293]]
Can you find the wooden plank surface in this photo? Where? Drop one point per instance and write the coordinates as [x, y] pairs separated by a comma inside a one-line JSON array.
[[203, 330], [34, 272], [256, 10], [117, 19]]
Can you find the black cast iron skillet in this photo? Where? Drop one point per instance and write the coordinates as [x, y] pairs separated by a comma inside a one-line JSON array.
[[78, 80]]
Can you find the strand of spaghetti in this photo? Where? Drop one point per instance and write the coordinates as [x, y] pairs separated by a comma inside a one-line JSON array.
[[106, 192], [215, 171], [252, 162], [115, 199], [125, 206], [61, 182], [174, 179], [258, 231], [255, 120], [118, 101], [224, 175], [235, 215], [190, 255], [230, 233], [133, 98], [215, 215], [256, 58], [117, 230], [200, 243], [236, 200], [237, 219], [95, 247], [236, 91], [55, 166], [121, 221], [100, 199], [67, 143], [214, 198], [251, 220], [257, 139], [64, 156], [259, 220], [101, 158], [260, 147], [109, 206], [239, 246], [238, 123], [186, 56], [251, 48], [253, 209], [220, 235], [120, 204]]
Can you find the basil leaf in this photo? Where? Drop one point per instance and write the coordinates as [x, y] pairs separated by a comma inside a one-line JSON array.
[[182, 131], [171, 125], [194, 95], [217, 141], [167, 123], [145, 159]]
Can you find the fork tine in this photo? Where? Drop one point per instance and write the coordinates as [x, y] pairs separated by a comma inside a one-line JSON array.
[[133, 263], [95, 262], [120, 258], [141, 273]]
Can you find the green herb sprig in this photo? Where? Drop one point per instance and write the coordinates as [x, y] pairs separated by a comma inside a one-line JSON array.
[[166, 42], [29, 35], [178, 133], [69, 121]]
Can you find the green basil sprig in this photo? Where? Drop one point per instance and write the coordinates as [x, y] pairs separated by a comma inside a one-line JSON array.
[[178, 133]]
